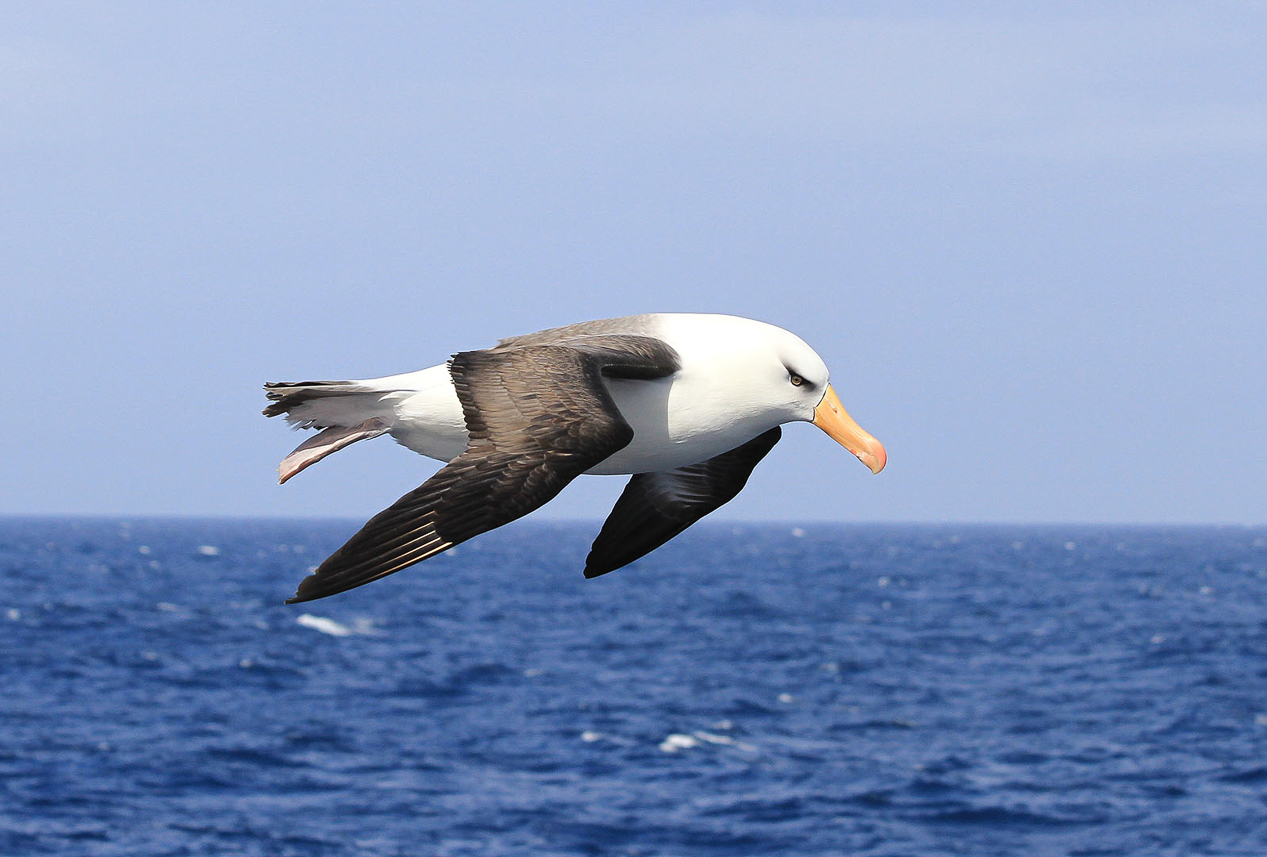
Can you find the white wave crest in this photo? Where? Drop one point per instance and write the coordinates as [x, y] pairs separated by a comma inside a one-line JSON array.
[[324, 625]]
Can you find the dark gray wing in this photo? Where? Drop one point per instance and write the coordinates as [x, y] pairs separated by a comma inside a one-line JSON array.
[[655, 507], [538, 417]]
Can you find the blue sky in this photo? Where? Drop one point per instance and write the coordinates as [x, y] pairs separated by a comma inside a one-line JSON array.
[[1029, 239]]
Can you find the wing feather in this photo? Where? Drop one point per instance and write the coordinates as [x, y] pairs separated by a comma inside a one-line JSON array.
[[538, 416], [655, 507]]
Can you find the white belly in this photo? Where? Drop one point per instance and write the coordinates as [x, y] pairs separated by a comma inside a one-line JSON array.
[[673, 427]]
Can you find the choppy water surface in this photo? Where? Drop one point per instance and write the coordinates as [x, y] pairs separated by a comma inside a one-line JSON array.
[[870, 690]]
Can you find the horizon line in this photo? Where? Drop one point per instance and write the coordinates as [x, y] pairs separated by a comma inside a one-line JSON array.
[[790, 522]]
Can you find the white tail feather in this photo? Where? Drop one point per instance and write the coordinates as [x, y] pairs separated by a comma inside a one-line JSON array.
[[420, 410]]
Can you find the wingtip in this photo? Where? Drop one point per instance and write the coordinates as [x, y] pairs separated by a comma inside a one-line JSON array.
[[300, 596], [310, 589], [594, 569]]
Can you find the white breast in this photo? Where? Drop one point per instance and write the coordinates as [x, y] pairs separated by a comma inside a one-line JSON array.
[[705, 409]]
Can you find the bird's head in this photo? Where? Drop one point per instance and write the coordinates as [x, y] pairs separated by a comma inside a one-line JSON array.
[[800, 378]]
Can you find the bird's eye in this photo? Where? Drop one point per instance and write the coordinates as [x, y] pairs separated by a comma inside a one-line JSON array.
[[796, 380]]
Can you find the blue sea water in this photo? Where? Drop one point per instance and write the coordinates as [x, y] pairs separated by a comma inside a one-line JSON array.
[[751, 690]]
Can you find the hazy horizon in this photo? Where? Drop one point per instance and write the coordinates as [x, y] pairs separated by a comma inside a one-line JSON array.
[[716, 519]]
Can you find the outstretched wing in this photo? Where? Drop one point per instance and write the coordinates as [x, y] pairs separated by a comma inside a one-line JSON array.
[[655, 507], [538, 416]]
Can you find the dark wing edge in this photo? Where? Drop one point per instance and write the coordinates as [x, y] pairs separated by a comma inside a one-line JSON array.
[[617, 355], [537, 416], [655, 507]]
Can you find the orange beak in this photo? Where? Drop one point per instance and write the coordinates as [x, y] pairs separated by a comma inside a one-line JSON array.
[[831, 417]]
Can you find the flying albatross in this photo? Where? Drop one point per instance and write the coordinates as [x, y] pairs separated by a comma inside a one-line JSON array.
[[687, 404]]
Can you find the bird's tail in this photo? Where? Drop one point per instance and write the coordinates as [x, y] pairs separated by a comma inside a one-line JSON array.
[[345, 411]]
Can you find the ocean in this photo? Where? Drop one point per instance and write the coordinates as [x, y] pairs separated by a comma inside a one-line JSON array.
[[805, 689]]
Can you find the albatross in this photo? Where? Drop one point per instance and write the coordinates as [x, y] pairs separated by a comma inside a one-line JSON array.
[[686, 404]]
